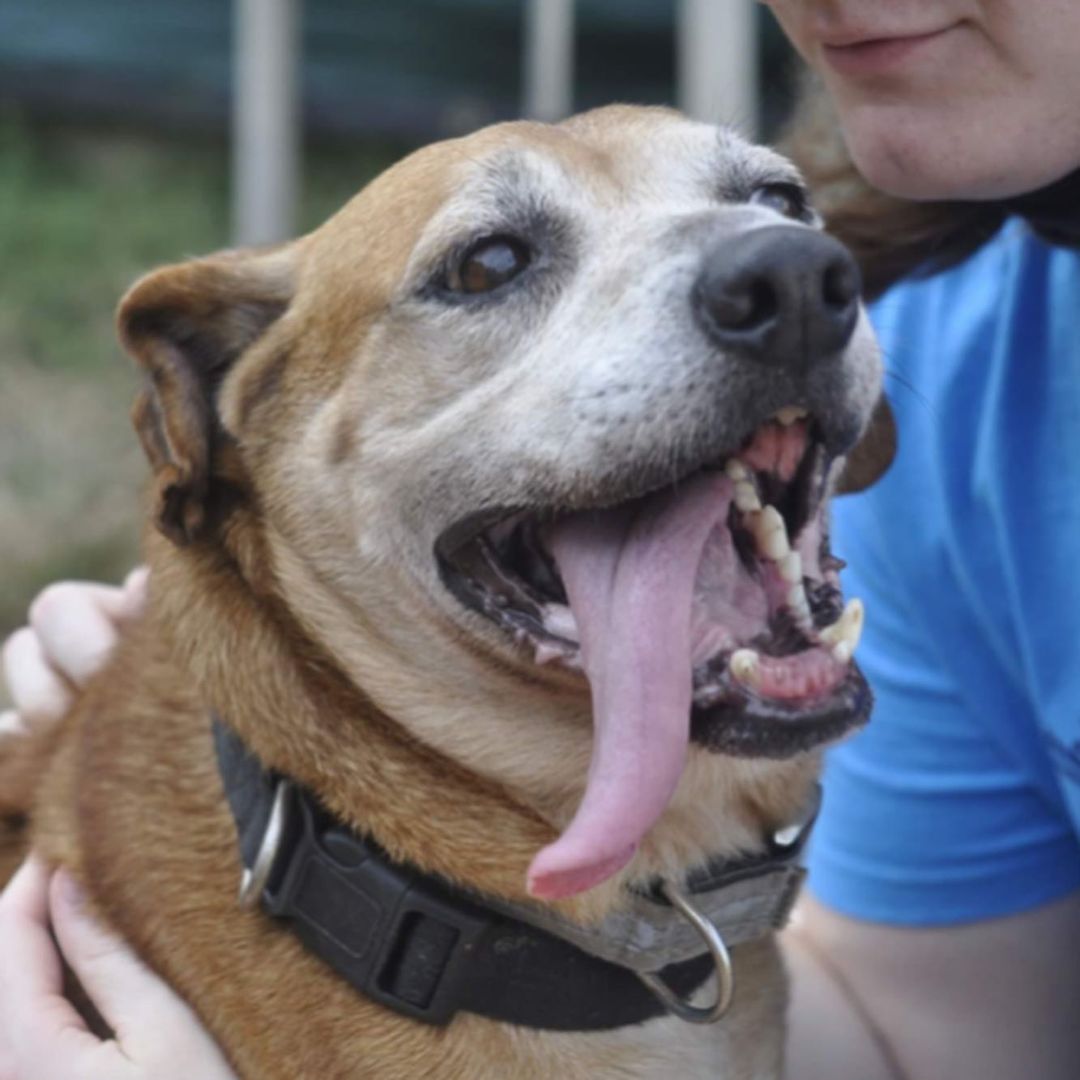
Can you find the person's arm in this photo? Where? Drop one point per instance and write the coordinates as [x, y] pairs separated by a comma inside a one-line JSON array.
[[72, 628], [42, 1037], [992, 1000]]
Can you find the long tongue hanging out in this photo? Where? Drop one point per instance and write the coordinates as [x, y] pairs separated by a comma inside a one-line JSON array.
[[629, 575]]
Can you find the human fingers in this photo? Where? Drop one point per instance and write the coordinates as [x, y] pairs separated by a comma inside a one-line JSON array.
[[135, 586], [39, 692], [36, 1021], [156, 1030], [77, 624]]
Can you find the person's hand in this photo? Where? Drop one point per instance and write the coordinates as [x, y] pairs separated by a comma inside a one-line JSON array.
[[42, 1037], [72, 629]]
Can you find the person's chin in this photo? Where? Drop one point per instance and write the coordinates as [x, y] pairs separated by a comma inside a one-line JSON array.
[[922, 159]]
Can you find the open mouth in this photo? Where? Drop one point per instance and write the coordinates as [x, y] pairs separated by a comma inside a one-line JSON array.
[[709, 611]]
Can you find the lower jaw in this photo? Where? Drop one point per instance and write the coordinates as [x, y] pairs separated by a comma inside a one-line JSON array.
[[757, 728]]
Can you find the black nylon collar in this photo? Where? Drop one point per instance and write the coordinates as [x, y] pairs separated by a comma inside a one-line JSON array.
[[414, 942]]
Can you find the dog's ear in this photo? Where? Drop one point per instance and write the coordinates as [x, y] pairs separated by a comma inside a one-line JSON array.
[[186, 325], [874, 453]]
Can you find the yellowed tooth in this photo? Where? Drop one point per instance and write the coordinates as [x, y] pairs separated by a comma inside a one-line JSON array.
[[790, 567], [842, 652], [790, 413], [559, 620], [848, 628], [746, 498], [796, 598], [545, 654], [799, 607], [736, 470], [744, 666], [772, 535]]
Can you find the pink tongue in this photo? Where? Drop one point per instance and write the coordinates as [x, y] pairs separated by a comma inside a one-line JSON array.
[[629, 574]]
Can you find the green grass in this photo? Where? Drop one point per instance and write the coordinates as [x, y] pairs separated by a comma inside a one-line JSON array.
[[82, 215]]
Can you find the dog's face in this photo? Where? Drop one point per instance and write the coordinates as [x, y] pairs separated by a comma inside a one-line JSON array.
[[543, 410]]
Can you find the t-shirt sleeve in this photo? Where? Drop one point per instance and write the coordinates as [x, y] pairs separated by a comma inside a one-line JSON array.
[[928, 818]]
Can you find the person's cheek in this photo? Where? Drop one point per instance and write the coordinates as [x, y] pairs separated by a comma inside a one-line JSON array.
[[788, 14]]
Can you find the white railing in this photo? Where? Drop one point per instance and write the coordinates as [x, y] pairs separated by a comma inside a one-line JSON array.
[[266, 119], [716, 43]]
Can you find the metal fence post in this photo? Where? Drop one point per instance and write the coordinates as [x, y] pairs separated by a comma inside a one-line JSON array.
[[266, 120], [717, 62], [549, 59]]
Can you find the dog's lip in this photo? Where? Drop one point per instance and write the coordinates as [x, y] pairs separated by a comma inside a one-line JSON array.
[[748, 726], [466, 529], [722, 705]]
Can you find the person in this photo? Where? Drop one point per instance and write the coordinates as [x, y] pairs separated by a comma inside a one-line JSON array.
[[939, 933], [42, 1037]]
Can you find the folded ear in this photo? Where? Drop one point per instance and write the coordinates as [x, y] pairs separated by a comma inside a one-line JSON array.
[[186, 325], [874, 453]]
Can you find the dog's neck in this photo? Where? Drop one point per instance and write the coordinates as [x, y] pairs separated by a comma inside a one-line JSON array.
[[298, 711], [299, 715]]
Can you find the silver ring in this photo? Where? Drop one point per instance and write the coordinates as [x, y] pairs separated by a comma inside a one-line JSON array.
[[725, 977], [253, 880]]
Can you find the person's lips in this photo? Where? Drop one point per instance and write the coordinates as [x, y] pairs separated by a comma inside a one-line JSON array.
[[872, 55]]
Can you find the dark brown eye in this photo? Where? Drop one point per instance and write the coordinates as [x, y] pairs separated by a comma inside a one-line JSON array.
[[489, 264], [787, 199]]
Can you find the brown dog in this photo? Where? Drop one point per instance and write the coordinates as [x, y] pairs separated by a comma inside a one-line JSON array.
[[544, 403]]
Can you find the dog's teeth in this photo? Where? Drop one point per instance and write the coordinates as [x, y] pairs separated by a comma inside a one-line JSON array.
[[546, 653], [744, 666], [736, 470], [847, 629], [842, 652], [790, 413], [790, 567], [771, 534], [799, 606], [746, 497], [559, 621]]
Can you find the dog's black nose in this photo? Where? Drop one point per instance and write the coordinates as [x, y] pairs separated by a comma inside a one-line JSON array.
[[781, 295]]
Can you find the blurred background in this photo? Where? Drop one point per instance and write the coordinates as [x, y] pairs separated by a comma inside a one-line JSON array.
[[135, 132]]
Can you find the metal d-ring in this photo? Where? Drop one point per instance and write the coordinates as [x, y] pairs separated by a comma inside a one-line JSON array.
[[253, 880], [725, 977]]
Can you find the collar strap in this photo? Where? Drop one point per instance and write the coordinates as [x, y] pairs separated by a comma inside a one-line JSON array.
[[428, 949]]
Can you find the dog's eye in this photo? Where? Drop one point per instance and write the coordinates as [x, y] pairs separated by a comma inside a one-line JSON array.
[[488, 264], [787, 199]]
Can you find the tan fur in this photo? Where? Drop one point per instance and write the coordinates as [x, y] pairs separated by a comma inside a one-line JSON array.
[[281, 599]]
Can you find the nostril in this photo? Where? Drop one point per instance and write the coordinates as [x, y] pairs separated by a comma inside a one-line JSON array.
[[751, 305], [840, 284]]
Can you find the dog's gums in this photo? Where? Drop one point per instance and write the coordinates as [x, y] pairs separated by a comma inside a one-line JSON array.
[[709, 611]]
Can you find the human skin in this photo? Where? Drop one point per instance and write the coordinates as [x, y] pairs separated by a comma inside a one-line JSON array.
[[979, 102], [948, 99], [72, 628], [941, 99]]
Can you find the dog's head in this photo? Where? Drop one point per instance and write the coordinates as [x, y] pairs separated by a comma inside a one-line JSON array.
[[545, 412]]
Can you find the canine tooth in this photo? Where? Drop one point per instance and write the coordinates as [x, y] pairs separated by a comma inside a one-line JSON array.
[[790, 567], [736, 470], [772, 534], [790, 413], [546, 653], [847, 630], [744, 666], [559, 620], [842, 652], [746, 497]]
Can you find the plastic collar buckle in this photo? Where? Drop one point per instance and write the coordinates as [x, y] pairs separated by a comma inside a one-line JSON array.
[[391, 935]]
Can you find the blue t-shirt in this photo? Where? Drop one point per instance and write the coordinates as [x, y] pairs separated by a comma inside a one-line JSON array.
[[961, 800]]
